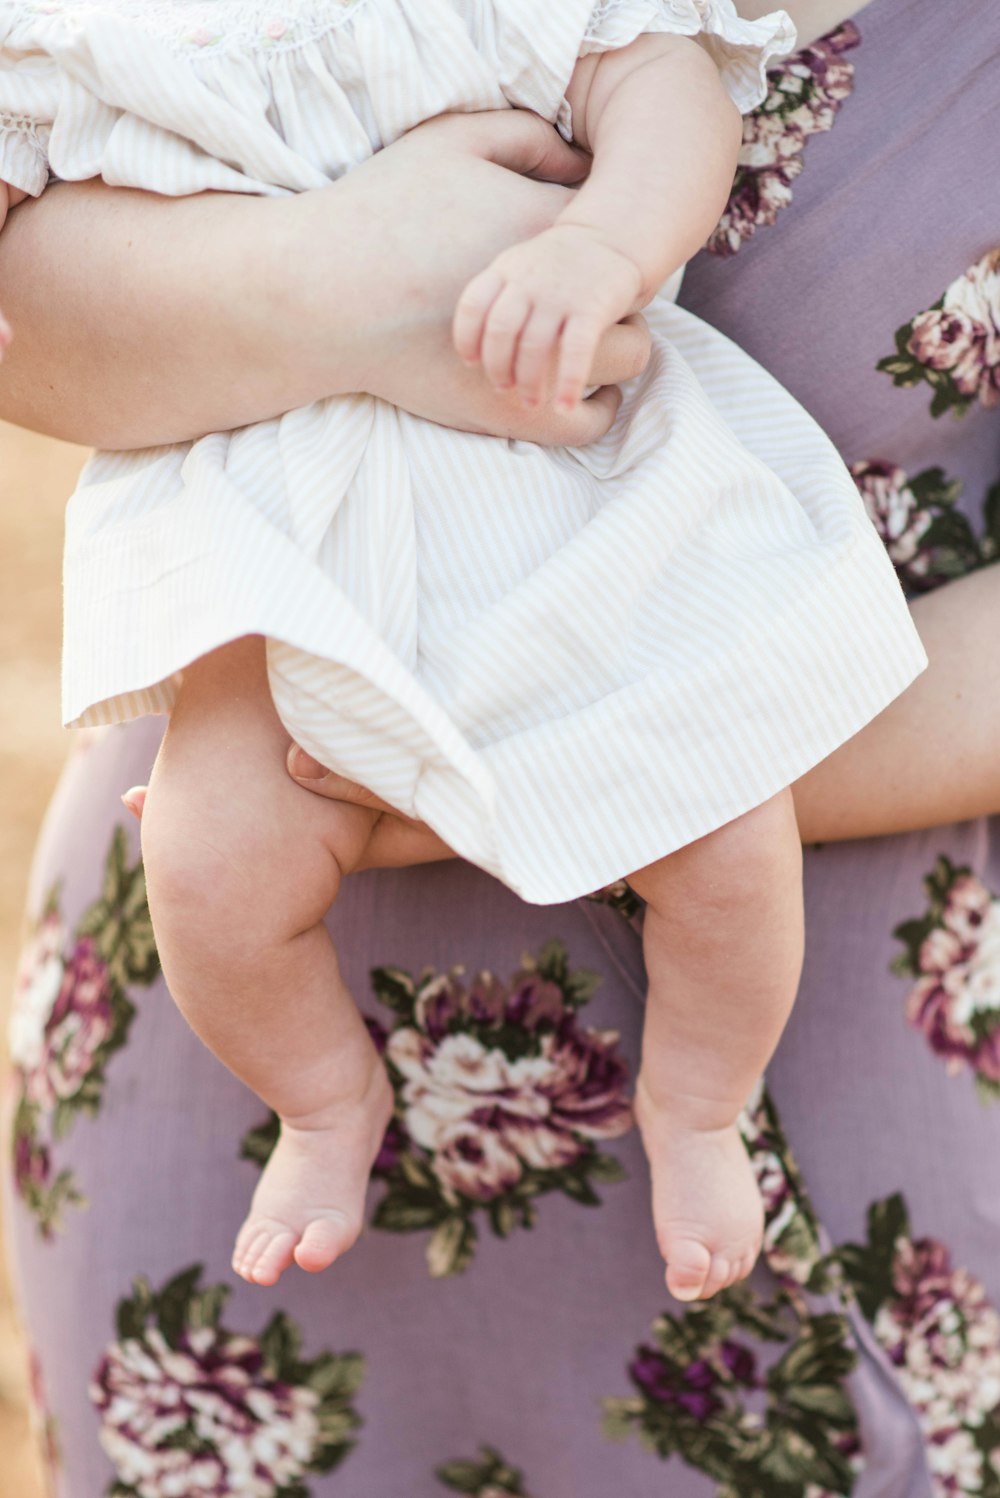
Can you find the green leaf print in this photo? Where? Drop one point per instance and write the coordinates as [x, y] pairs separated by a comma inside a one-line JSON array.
[[486, 1478]]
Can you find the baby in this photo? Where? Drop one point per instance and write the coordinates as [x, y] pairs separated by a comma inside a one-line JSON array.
[[600, 663]]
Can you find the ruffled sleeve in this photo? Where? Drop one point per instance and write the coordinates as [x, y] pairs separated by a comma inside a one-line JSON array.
[[29, 96], [743, 50], [535, 48]]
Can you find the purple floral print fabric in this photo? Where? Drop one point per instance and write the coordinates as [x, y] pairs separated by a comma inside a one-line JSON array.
[[502, 1327]]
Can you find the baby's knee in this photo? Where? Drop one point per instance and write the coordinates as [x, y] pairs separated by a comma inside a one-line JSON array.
[[229, 882]]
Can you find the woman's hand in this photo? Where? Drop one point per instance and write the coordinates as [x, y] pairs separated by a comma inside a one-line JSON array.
[[145, 320], [396, 841]]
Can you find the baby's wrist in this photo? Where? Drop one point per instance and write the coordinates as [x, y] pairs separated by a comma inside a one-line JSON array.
[[650, 270]]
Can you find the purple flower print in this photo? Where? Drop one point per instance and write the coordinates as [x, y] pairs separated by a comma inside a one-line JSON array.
[[806, 91], [702, 1392], [32, 1164], [792, 1248], [954, 954], [79, 1026], [188, 1407], [71, 1013], [465, 1099], [501, 1096], [942, 1336], [690, 1389], [928, 539], [254, 1434], [954, 346]]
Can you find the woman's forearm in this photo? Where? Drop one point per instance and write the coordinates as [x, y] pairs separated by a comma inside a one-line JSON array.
[[141, 320]]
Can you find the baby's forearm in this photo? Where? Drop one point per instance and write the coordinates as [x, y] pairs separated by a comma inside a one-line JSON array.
[[665, 137]]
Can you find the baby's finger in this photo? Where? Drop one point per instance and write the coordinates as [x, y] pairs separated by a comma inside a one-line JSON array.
[[577, 349], [506, 318], [591, 419], [535, 353], [471, 313]]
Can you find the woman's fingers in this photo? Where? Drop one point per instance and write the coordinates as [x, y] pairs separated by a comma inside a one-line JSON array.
[[587, 422], [396, 842], [135, 799], [623, 352], [313, 776], [513, 138]]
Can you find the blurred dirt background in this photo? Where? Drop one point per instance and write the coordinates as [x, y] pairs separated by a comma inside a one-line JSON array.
[[36, 475]]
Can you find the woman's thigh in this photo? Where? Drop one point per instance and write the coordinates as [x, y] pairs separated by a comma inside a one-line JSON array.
[[508, 1293]]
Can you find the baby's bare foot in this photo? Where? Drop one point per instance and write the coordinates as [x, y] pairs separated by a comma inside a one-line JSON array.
[[309, 1203], [707, 1209]]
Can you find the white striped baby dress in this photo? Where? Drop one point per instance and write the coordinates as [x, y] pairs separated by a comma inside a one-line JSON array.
[[569, 662]]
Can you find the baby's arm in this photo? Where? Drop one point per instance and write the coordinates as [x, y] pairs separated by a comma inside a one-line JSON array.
[[665, 137], [9, 198]]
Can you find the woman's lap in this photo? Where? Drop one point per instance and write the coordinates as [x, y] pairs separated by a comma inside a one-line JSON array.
[[523, 1348]]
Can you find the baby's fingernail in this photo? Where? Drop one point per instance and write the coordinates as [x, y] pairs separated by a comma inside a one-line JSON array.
[[302, 765]]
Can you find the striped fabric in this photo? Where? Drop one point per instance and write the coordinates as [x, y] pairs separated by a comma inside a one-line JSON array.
[[568, 662]]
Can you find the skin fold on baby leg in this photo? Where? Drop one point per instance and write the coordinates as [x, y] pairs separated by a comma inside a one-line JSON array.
[[238, 889], [723, 940]]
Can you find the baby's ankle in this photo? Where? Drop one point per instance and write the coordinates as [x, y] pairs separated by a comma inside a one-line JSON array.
[[366, 1090], [682, 1109]]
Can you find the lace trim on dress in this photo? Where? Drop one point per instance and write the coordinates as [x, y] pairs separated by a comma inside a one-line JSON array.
[[23, 156], [199, 26], [604, 10]]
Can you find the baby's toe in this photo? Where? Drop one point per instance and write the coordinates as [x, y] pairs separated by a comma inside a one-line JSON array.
[[719, 1277], [323, 1241], [689, 1264], [272, 1257], [245, 1239], [744, 1266], [251, 1241]]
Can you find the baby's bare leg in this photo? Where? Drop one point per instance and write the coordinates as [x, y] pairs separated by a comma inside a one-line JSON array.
[[723, 940], [238, 888]]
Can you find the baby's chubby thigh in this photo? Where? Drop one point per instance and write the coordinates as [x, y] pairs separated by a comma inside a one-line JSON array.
[[238, 858]]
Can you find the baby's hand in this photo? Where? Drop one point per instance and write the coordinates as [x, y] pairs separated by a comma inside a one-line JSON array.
[[544, 302], [9, 198]]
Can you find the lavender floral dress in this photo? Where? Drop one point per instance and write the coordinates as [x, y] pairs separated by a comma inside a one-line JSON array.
[[502, 1328]]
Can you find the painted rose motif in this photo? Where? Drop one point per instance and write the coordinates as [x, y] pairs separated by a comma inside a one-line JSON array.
[[954, 954], [943, 1338], [621, 897], [704, 1393], [954, 346], [79, 1025], [43, 1422], [792, 1247], [187, 1407], [489, 1477], [806, 91], [70, 1014], [502, 1097]]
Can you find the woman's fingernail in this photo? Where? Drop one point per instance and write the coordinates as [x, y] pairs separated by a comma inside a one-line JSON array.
[[302, 765]]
